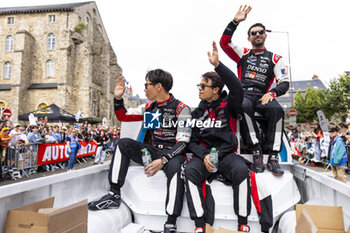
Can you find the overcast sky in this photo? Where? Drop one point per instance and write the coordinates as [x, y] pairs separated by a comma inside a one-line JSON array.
[[176, 35]]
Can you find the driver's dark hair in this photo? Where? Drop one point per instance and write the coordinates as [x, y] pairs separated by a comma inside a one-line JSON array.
[[160, 76], [256, 25], [215, 80]]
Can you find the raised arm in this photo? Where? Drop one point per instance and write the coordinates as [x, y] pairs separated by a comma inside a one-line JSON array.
[[135, 114], [229, 78], [233, 51]]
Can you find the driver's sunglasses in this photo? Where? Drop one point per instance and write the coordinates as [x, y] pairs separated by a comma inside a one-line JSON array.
[[147, 84], [203, 86], [261, 32]]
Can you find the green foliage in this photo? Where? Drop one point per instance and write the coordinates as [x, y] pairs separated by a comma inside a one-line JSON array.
[[307, 105], [299, 105], [337, 97], [334, 102], [80, 26]]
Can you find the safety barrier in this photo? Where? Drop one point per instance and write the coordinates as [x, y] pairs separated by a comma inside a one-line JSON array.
[[23, 159]]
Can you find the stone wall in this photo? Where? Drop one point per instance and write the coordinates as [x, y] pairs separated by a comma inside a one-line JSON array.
[[85, 63]]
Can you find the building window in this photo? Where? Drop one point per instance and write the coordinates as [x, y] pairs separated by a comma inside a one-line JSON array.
[[9, 44], [7, 70], [87, 24], [52, 18], [51, 41], [10, 20], [42, 105], [50, 69], [94, 108]]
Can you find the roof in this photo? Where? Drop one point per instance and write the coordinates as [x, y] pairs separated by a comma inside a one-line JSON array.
[[41, 8], [302, 84], [315, 83], [43, 86], [5, 87], [137, 99]]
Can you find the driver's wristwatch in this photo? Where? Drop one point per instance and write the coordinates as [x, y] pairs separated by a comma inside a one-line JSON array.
[[164, 160]]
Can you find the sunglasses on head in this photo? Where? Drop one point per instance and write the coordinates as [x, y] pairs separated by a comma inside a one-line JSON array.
[[261, 32], [203, 86], [147, 84]]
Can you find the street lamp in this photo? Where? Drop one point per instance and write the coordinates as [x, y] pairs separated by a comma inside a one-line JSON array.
[[289, 66]]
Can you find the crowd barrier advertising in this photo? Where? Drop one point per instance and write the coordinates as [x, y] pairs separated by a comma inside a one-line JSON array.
[[57, 152]]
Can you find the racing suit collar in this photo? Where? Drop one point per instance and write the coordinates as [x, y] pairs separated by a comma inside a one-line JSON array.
[[166, 102], [215, 103], [258, 51]]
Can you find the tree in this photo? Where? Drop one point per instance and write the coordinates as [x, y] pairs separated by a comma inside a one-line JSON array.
[[299, 105], [337, 97], [308, 104]]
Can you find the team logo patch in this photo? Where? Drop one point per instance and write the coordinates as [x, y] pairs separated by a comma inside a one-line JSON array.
[[252, 75], [276, 58], [151, 120]]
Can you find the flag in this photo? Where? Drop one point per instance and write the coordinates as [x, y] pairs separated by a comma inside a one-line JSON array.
[[78, 115]]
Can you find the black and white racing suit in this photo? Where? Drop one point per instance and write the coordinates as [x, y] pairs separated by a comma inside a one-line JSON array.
[[167, 141], [220, 135], [257, 70]]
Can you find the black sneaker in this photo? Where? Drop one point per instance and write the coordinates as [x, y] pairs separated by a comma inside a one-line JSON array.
[[273, 165], [258, 162], [109, 201], [169, 228]]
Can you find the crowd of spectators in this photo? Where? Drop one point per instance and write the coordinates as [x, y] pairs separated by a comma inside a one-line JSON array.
[[12, 135], [308, 142]]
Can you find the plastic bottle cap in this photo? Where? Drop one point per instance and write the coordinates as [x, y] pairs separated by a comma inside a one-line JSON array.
[[213, 149], [144, 150]]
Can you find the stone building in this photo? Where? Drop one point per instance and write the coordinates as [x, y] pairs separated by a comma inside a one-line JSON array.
[[57, 54]]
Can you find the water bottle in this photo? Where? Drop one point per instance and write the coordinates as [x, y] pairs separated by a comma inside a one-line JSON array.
[[214, 159], [146, 157]]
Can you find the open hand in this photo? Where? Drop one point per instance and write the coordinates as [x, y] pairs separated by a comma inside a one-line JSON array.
[[214, 56], [119, 88], [242, 13], [266, 98]]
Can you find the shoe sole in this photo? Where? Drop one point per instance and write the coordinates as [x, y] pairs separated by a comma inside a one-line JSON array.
[[256, 171], [274, 173], [110, 207]]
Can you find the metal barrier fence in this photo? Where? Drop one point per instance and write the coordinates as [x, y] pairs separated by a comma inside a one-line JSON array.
[[24, 159], [20, 160]]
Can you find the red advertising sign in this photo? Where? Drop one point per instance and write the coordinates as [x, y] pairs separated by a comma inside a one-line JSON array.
[[57, 152], [6, 114]]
